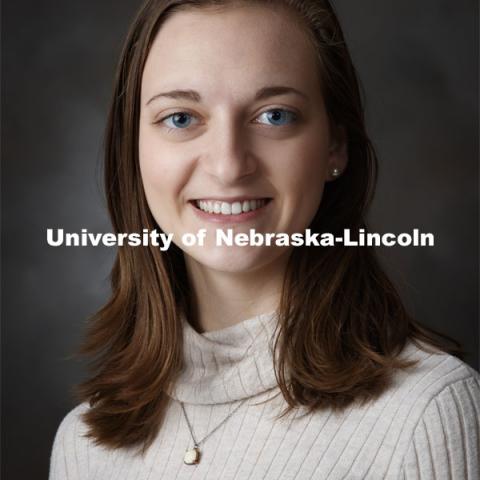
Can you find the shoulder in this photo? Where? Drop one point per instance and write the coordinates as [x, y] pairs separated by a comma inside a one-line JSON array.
[[444, 393], [69, 457], [434, 373], [72, 428]]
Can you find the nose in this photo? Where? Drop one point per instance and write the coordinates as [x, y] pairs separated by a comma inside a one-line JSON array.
[[227, 156]]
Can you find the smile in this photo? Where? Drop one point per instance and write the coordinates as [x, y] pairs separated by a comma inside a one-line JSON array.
[[230, 208]]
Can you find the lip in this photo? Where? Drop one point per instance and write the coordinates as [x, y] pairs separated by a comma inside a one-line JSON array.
[[231, 199], [224, 219]]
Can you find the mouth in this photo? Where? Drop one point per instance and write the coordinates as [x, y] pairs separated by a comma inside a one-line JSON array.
[[228, 208]]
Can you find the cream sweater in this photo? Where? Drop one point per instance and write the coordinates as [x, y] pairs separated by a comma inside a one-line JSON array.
[[425, 427]]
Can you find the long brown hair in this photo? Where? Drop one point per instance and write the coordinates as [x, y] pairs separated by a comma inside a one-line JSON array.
[[341, 322]]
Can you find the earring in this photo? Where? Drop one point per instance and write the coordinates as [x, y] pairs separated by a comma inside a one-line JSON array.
[[335, 172]]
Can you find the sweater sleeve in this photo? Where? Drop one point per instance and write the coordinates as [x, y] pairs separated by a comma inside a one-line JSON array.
[[69, 458], [446, 441]]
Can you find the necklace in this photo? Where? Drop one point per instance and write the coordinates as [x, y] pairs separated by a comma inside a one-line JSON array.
[[192, 455]]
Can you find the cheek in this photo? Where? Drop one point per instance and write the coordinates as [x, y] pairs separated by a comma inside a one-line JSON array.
[[163, 173], [300, 172], [301, 167]]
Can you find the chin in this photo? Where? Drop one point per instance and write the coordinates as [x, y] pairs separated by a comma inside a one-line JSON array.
[[235, 259]]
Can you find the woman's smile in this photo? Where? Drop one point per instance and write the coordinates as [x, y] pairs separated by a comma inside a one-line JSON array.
[[233, 211]]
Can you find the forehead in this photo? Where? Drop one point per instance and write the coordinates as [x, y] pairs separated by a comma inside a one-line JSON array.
[[231, 49]]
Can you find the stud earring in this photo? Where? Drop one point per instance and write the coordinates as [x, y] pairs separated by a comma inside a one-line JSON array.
[[335, 172]]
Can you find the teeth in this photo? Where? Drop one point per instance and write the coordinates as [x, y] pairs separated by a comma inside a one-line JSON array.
[[225, 208], [236, 208]]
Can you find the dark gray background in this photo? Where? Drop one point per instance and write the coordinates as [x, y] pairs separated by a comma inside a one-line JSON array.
[[418, 62]]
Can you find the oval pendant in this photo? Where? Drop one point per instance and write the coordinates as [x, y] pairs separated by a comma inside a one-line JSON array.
[[192, 456]]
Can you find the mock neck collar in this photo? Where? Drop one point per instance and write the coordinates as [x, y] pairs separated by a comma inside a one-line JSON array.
[[229, 364]]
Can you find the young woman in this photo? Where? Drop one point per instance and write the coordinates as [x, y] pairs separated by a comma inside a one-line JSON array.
[[254, 362]]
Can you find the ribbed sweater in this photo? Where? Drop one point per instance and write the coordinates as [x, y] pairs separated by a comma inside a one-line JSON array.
[[425, 426]]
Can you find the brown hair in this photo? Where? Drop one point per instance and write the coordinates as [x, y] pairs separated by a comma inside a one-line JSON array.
[[341, 322]]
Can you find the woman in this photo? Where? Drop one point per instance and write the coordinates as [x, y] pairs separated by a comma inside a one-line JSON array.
[[247, 115]]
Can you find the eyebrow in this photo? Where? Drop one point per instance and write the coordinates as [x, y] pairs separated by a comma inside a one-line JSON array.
[[262, 94]]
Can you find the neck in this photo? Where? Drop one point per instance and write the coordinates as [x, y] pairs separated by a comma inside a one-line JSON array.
[[222, 299], [228, 364]]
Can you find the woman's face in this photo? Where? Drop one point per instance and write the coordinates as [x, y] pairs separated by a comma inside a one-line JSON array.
[[232, 115]]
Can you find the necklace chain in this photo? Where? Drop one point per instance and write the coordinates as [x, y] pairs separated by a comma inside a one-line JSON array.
[[192, 456], [212, 431]]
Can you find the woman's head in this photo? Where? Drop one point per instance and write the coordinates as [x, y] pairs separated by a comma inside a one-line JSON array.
[[229, 135], [232, 109]]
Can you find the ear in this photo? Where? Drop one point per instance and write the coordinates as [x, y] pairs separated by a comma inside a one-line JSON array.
[[338, 153]]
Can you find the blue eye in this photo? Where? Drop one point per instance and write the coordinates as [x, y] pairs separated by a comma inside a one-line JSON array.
[[279, 117], [179, 120]]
